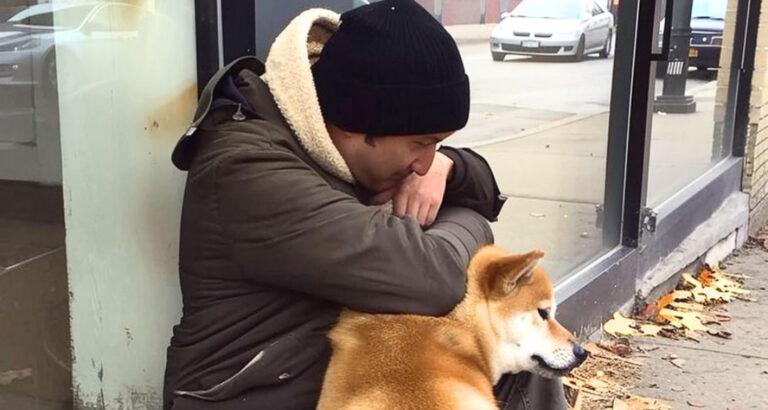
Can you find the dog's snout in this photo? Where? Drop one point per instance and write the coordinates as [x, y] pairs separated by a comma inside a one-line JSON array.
[[579, 352]]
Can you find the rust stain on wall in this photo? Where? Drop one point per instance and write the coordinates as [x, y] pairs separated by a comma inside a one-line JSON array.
[[172, 116]]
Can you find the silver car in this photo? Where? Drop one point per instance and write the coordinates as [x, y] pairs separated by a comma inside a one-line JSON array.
[[568, 28]]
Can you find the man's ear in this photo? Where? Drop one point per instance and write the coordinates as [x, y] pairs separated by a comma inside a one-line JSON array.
[[506, 273]]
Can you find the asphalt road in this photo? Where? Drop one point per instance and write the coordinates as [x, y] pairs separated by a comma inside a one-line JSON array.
[[522, 94]]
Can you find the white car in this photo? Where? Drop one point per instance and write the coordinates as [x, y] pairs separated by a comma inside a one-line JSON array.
[[567, 28]]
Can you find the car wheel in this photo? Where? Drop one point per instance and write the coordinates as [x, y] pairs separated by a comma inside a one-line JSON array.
[[497, 56], [606, 51], [579, 51]]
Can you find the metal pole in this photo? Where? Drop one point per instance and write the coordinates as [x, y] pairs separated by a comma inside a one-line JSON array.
[[673, 98]]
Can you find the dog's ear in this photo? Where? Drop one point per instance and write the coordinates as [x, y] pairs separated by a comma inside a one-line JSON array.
[[504, 274]]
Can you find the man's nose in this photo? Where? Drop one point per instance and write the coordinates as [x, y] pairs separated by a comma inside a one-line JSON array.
[[422, 163]]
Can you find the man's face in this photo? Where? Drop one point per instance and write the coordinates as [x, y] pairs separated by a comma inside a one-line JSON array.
[[380, 163]]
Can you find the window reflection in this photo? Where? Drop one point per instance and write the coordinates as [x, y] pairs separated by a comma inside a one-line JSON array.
[[691, 100], [541, 77]]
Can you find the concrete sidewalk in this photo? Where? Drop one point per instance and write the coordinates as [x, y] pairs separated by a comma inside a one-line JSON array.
[[718, 373], [554, 177]]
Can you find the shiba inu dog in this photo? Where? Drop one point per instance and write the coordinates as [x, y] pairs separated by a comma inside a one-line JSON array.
[[505, 324]]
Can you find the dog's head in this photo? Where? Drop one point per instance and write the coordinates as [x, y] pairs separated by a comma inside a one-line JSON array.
[[519, 300]]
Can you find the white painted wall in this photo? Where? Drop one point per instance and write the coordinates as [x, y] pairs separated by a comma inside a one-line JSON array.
[[127, 92]]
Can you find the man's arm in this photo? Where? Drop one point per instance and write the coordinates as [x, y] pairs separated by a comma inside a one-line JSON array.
[[472, 184], [288, 228]]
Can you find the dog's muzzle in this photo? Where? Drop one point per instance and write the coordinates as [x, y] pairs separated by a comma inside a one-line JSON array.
[[579, 355]]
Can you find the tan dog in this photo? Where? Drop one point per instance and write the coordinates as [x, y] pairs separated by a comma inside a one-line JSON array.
[[505, 324]]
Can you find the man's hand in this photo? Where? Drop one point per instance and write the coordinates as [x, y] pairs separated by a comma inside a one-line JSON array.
[[419, 196]]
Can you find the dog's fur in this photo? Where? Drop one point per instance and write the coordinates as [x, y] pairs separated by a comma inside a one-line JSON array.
[[505, 324]]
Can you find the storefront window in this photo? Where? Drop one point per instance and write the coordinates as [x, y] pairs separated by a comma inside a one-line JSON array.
[[691, 99], [93, 96], [35, 359], [541, 78]]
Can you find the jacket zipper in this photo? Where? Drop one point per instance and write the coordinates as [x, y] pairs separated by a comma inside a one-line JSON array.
[[238, 115]]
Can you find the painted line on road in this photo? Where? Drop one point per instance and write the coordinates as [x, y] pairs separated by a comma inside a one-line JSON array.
[[533, 131], [560, 123]]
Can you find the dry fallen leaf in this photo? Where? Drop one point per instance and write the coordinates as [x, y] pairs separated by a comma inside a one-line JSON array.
[[687, 307], [579, 402], [648, 348], [691, 281], [618, 346], [720, 333], [649, 312], [689, 334], [678, 362], [695, 403], [690, 320], [665, 301], [650, 330], [714, 295], [620, 326], [639, 403], [706, 277], [598, 385], [707, 320], [682, 295], [619, 404]]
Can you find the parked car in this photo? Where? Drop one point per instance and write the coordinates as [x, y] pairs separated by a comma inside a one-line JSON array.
[[563, 28], [707, 24], [30, 93]]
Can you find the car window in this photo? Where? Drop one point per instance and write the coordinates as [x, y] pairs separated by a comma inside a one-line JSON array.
[[596, 9], [44, 18], [708, 9]]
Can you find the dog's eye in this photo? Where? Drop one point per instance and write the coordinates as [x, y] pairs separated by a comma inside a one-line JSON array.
[[544, 313]]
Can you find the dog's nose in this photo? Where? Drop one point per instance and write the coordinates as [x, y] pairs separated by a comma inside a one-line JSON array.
[[579, 352]]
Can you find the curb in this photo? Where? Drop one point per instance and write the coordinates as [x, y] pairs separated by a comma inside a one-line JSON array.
[[536, 130], [470, 41]]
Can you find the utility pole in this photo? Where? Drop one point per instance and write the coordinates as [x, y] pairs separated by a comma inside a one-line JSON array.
[[673, 98]]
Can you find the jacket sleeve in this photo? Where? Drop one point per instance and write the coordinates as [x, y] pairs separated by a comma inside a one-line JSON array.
[[287, 227], [472, 184]]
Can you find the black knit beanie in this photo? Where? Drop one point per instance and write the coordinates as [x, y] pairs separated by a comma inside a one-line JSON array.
[[392, 69]]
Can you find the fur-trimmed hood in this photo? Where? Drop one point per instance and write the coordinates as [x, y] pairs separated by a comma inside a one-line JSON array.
[[289, 78]]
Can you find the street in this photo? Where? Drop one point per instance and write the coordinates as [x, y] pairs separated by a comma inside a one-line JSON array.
[[522, 94]]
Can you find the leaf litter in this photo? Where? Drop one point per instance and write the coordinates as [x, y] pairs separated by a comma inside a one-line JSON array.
[[696, 307]]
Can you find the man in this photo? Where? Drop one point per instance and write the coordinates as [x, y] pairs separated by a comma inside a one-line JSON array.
[[282, 224]]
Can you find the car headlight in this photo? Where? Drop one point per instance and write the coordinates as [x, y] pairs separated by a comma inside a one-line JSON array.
[[21, 45]]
